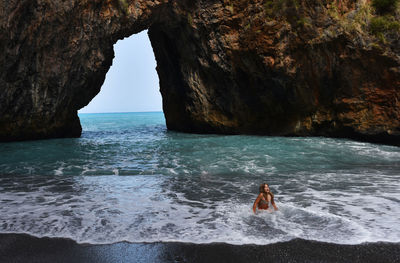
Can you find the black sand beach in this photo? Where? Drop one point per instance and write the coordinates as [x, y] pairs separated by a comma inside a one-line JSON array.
[[25, 248]]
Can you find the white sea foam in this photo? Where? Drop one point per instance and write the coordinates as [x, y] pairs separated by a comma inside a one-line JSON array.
[[59, 170], [108, 209]]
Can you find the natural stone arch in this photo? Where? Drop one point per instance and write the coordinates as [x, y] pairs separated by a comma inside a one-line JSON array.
[[224, 67], [56, 55], [131, 84]]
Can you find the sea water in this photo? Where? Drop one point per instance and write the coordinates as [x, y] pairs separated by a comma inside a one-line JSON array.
[[130, 179]]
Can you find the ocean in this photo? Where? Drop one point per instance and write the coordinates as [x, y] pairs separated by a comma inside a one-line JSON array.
[[130, 179]]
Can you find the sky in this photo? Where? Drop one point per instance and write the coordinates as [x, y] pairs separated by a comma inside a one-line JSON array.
[[131, 83]]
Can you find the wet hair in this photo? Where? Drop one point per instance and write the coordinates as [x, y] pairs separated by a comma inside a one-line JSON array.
[[262, 191]]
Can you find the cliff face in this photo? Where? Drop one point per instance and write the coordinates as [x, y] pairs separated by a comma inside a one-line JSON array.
[[256, 67], [54, 57]]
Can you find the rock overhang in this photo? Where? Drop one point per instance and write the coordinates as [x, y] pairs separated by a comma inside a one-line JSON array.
[[224, 67]]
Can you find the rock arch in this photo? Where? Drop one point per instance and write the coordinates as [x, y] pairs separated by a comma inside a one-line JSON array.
[[224, 67]]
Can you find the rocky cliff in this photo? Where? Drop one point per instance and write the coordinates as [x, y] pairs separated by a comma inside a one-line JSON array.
[[282, 67]]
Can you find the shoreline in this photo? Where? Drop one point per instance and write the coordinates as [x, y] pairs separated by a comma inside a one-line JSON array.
[[26, 248]]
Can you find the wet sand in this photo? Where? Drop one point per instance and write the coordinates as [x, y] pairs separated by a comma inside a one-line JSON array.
[[25, 248]]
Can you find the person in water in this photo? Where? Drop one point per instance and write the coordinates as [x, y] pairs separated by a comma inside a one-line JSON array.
[[264, 199]]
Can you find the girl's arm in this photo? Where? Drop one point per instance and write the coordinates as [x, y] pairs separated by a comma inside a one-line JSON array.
[[256, 203], [273, 204]]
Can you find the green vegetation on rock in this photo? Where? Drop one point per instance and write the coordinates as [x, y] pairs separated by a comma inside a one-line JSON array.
[[385, 21], [380, 24], [359, 20], [275, 7], [123, 4]]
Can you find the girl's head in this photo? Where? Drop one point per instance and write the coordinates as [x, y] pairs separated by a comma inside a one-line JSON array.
[[264, 188]]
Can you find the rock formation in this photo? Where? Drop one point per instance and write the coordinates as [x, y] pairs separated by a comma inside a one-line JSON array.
[[287, 67]]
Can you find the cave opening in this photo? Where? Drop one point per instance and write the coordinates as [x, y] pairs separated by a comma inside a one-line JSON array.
[[131, 83]]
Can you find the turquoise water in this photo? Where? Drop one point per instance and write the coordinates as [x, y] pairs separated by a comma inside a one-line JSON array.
[[129, 178]]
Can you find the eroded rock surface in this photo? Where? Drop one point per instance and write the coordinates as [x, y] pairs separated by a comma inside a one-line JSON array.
[[254, 67]]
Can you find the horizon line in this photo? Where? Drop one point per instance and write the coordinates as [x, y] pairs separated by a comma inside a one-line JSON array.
[[120, 112]]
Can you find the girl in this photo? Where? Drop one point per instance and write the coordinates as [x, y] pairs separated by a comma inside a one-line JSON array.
[[264, 199]]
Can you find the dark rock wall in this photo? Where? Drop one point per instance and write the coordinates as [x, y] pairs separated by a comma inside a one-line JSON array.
[[255, 67], [54, 58], [299, 71]]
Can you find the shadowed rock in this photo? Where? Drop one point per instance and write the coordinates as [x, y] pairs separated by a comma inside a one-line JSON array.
[[250, 67]]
